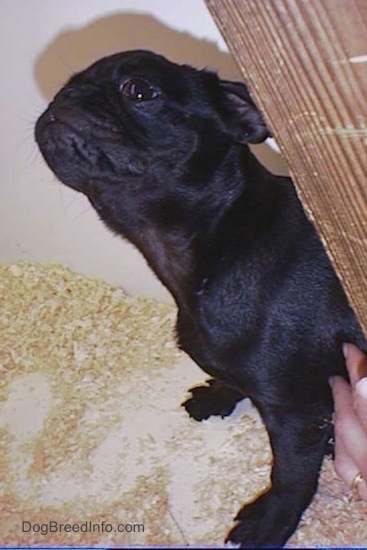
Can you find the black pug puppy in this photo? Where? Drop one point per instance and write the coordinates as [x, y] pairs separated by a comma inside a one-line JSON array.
[[161, 152]]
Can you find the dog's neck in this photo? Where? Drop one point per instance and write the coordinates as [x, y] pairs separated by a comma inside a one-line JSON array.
[[170, 256], [173, 247]]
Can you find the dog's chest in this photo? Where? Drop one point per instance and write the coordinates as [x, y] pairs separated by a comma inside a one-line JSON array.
[[217, 333]]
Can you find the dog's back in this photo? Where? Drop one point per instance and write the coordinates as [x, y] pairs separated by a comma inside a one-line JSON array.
[[271, 307]]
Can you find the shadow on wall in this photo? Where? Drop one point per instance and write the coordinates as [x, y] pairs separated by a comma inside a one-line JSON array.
[[73, 50]]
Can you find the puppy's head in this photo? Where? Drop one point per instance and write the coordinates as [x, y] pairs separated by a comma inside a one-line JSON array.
[[134, 116]]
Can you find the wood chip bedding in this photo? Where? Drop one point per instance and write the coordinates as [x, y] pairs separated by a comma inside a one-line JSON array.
[[91, 428]]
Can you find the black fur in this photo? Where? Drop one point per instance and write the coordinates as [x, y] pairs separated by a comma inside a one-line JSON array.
[[161, 152]]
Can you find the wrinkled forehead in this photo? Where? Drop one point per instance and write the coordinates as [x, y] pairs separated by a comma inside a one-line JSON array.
[[172, 78]]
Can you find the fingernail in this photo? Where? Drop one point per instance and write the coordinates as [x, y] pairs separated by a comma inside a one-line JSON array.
[[331, 381], [362, 367], [345, 350]]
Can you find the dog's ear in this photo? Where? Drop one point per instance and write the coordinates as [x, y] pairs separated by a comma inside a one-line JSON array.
[[242, 117]]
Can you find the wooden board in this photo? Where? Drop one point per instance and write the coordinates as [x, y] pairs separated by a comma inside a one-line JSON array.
[[305, 62]]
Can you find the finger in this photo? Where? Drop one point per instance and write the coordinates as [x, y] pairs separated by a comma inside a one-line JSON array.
[[361, 388], [356, 363], [344, 465], [343, 395], [348, 427], [347, 469], [357, 367], [360, 402]]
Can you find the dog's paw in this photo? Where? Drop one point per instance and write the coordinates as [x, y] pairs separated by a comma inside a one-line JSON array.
[[203, 404], [211, 400], [267, 522]]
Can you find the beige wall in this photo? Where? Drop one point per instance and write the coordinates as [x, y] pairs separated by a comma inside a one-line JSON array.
[[41, 44]]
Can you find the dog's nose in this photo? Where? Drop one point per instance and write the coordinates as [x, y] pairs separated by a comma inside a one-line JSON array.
[[48, 118], [73, 92], [59, 111]]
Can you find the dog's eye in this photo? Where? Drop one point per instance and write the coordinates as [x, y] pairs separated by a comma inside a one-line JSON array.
[[138, 89]]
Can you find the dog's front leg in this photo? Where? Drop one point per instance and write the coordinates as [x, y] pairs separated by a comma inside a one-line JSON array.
[[215, 398], [298, 440]]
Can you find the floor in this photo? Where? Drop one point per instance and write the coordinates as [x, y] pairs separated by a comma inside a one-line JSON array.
[[93, 437]]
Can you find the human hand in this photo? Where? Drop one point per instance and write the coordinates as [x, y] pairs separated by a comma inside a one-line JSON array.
[[350, 422]]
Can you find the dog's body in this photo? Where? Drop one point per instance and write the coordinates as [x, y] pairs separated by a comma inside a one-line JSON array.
[[161, 152]]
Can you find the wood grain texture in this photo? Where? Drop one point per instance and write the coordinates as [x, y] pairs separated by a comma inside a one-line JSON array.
[[305, 62]]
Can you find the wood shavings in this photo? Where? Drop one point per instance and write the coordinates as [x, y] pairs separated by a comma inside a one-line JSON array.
[[91, 427]]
